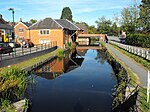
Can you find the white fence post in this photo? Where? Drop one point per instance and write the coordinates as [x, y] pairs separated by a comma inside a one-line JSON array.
[[147, 54], [148, 87]]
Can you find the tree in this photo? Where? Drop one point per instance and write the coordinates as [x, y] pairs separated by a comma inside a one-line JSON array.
[[114, 29], [145, 16], [32, 21], [103, 25], [129, 18], [66, 14], [92, 29]]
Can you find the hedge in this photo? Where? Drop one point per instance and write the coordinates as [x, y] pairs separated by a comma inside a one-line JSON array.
[[140, 40]]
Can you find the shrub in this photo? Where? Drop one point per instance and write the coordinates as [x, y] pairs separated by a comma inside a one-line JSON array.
[[139, 40]]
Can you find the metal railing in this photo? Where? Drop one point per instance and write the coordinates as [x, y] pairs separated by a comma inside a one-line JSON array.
[[134, 50], [21, 51]]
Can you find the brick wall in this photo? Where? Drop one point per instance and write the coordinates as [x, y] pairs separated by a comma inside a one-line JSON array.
[[55, 35], [21, 34]]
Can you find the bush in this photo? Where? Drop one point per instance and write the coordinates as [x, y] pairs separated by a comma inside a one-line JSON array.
[[140, 40]]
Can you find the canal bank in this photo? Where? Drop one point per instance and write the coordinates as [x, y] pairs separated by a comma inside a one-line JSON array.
[[73, 85], [133, 87]]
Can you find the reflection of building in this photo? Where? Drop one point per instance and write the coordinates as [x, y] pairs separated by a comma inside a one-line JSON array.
[[59, 66], [5, 31]]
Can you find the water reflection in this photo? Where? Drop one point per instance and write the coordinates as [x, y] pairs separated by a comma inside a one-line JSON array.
[[85, 85], [58, 66]]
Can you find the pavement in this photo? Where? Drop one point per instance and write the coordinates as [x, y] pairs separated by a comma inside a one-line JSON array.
[[141, 72]]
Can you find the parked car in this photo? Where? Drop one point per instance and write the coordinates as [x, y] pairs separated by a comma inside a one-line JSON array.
[[5, 48]]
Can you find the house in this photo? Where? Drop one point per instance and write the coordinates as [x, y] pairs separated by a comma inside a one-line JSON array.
[[50, 30], [6, 31], [83, 27], [21, 30]]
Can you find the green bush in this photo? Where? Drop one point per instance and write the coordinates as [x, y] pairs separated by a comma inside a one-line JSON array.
[[139, 40]]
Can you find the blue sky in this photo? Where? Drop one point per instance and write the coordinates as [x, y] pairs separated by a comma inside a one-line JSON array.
[[83, 10]]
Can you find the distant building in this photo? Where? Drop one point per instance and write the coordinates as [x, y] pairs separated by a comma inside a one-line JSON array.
[[83, 27], [5, 31], [21, 32], [49, 30]]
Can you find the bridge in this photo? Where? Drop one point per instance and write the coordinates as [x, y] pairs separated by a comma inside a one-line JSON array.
[[85, 39]]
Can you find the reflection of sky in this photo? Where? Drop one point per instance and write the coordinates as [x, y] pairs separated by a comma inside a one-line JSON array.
[[91, 83]]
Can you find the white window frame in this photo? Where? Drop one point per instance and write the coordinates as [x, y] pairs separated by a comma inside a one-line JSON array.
[[21, 29], [44, 32]]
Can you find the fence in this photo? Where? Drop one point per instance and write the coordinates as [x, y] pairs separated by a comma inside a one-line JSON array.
[[24, 51], [134, 50]]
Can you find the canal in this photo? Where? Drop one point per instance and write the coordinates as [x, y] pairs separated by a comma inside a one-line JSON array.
[[80, 82]]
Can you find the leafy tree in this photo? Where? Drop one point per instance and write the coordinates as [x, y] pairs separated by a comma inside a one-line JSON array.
[[92, 29], [114, 29], [32, 21], [129, 18], [145, 16], [66, 14], [103, 25]]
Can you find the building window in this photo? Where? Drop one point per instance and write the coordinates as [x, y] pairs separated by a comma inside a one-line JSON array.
[[44, 41], [44, 32], [20, 30]]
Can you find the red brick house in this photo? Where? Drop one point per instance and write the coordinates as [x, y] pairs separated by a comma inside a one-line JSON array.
[[49, 30], [21, 30]]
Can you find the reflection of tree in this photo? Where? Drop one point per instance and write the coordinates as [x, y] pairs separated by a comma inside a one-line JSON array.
[[101, 55]]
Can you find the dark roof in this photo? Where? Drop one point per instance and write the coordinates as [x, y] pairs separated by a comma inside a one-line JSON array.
[[4, 26], [82, 26], [67, 24], [27, 24], [47, 23]]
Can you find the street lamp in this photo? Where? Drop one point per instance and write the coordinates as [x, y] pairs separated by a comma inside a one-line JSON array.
[[13, 35]]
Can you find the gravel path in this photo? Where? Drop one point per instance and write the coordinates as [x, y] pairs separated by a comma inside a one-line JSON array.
[[135, 67]]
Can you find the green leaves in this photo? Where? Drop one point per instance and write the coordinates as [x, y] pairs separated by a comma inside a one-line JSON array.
[[66, 14]]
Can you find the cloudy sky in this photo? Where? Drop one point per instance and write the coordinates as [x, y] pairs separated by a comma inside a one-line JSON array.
[[83, 10]]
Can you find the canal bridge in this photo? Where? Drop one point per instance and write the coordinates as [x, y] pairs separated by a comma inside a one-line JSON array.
[[86, 38]]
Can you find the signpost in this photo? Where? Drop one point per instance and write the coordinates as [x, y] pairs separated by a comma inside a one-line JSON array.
[[148, 87]]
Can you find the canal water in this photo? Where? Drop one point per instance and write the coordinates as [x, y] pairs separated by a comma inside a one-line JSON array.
[[80, 82]]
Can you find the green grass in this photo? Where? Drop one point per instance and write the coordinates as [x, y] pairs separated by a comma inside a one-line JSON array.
[[13, 81], [134, 79], [143, 100], [31, 62], [138, 59]]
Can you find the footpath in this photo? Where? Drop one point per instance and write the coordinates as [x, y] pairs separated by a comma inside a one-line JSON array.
[[134, 66]]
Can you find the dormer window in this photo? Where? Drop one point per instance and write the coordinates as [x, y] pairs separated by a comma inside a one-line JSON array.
[[20, 30]]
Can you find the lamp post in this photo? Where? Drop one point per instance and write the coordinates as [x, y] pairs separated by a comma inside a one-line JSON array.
[[13, 36]]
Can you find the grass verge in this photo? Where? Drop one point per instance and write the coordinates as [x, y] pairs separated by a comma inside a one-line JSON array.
[[134, 81], [138, 59]]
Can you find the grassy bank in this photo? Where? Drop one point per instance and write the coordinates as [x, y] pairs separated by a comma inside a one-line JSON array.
[[12, 87], [134, 80], [133, 77], [13, 81], [138, 59]]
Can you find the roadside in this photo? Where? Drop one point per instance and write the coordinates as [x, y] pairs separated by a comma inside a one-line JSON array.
[[135, 67]]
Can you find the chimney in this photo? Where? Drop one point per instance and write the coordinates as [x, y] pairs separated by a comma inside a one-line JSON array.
[[1, 17], [20, 19]]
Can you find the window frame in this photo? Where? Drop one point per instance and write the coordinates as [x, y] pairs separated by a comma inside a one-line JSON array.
[[44, 32]]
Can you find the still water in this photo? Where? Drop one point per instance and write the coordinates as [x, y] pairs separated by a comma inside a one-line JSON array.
[[73, 84]]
